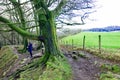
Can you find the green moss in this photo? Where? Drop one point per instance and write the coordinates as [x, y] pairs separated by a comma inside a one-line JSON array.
[[112, 72], [108, 76], [82, 55], [7, 59], [74, 56], [19, 30], [59, 69], [116, 68], [112, 68]]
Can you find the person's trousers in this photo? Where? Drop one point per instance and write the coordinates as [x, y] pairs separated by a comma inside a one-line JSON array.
[[31, 54]]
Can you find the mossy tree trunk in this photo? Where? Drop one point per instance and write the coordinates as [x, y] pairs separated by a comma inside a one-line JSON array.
[[48, 28]]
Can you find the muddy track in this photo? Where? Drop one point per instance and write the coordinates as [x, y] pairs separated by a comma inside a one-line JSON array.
[[86, 68]]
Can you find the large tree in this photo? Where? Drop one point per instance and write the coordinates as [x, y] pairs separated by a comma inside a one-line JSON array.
[[44, 14]]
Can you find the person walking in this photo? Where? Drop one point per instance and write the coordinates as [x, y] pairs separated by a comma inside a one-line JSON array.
[[30, 48]]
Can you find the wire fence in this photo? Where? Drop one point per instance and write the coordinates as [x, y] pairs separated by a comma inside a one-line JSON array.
[[74, 43]]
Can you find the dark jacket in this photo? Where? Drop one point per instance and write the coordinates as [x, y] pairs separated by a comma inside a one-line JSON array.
[[30, 47]]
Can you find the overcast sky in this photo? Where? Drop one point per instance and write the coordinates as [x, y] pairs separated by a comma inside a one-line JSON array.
[[108, 13]]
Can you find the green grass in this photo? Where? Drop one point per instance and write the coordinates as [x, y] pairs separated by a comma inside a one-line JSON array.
[[109, 76], [112, 68], [110, 49], [7, 59], [111, 72], [109, 40], [59, 69], [110, 43]]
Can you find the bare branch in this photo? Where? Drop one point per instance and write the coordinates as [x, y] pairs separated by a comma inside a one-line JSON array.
[[58, 9], [67, 23]]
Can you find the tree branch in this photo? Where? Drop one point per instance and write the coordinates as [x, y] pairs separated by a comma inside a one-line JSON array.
[[67, 23], [59, 7], [19, 30], [12, 30]]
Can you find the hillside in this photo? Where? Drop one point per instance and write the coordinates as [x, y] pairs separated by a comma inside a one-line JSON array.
[[105, 29], [7, 59], [17, 66]]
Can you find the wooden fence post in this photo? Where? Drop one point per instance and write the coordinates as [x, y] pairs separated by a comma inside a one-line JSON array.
[[99, 43], [84, 43]]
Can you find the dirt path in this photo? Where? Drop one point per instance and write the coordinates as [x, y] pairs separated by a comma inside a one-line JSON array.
[[22, 60], [86, 68]]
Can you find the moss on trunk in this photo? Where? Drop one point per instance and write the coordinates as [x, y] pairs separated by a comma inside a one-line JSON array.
[[48, 30]]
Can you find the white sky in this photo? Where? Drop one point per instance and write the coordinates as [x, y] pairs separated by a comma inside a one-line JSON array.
[[108, 13]]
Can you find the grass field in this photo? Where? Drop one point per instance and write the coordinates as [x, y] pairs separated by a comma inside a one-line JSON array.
[[108, 39]]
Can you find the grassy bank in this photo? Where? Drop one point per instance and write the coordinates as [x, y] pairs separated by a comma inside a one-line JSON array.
[[111, 72], [59, 69], [7, 59]]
